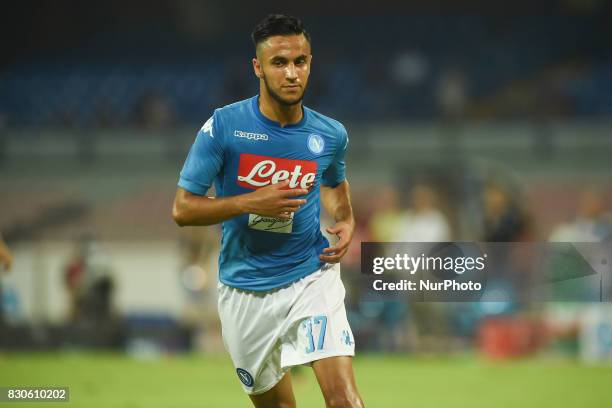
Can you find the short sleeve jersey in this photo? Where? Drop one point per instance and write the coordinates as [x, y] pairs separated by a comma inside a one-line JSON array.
[[240, 150]]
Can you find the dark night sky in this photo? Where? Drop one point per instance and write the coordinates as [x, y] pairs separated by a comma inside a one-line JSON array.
[[44, 28]]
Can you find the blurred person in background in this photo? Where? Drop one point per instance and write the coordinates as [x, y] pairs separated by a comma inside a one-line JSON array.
[[74, 273], [274, 162], [590, 224], [197, 277], [387, 220], [423, 221], [6, 262], [504, 218], [89, 280], [452, 94], [6, 258], [566, 320], [154, 111]]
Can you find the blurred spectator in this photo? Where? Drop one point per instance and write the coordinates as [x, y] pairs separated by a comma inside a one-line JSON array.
[[74, 274], [589, 225], [198, 278], [451, 94], [423, 221], [409, 68], [155, 111], [6, 261], [566, 319], [504, 219], [418, 325], [386, 223], [88, 278]]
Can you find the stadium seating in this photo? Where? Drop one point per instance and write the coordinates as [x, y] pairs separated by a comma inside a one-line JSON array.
[[354, 76]]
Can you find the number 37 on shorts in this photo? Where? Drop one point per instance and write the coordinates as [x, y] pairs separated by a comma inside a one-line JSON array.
[[313, 332]]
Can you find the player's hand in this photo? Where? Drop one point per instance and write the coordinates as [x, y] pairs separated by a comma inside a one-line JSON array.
[[344, 230], [274, 201]]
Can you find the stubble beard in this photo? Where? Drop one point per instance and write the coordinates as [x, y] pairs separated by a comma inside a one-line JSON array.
[[280, 99]]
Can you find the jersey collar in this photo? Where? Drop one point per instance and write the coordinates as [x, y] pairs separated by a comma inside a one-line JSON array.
[[260, 116]]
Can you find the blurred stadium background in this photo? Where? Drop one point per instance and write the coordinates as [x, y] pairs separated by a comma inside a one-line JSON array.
[[468, 121]]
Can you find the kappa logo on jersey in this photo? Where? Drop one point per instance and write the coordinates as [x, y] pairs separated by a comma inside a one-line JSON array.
[[208, 127], [346, 338], [250, 136], [259, 171]]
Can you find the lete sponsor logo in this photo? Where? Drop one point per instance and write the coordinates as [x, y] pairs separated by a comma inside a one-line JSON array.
[[259, 171]]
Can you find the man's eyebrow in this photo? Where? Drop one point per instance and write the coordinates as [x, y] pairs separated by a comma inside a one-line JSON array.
[[281, 58]]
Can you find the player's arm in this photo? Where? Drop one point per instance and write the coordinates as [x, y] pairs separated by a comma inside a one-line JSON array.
[[337, 202], [272, 201], [336, 199]]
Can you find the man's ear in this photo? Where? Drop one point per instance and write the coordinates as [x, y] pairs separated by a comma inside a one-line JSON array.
[[257, 68]]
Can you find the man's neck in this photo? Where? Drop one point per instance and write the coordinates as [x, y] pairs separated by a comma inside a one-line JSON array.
[[283, 114]]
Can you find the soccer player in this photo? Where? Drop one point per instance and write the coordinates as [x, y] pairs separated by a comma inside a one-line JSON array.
[[273, 162]]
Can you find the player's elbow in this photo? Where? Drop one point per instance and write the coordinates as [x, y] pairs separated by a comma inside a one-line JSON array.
[[179, 215]]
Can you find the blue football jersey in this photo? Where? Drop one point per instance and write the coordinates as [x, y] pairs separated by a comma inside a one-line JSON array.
[[240, 150]]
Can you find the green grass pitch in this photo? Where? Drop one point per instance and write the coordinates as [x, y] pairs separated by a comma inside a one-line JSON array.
[[117, 381]]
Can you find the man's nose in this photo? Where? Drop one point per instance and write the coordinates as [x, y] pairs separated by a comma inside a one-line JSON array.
[[291, 72]]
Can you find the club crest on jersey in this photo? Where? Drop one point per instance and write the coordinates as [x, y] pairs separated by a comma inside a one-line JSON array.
[[316, 144], [256, 171]]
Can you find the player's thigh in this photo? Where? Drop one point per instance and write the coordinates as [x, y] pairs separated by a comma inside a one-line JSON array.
[[279, 396], [337, 381]]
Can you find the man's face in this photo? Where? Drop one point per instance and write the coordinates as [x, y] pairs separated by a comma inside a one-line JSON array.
[[283, 63]]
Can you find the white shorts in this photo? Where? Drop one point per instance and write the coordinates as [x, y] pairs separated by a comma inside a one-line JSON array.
[[266, 333]]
